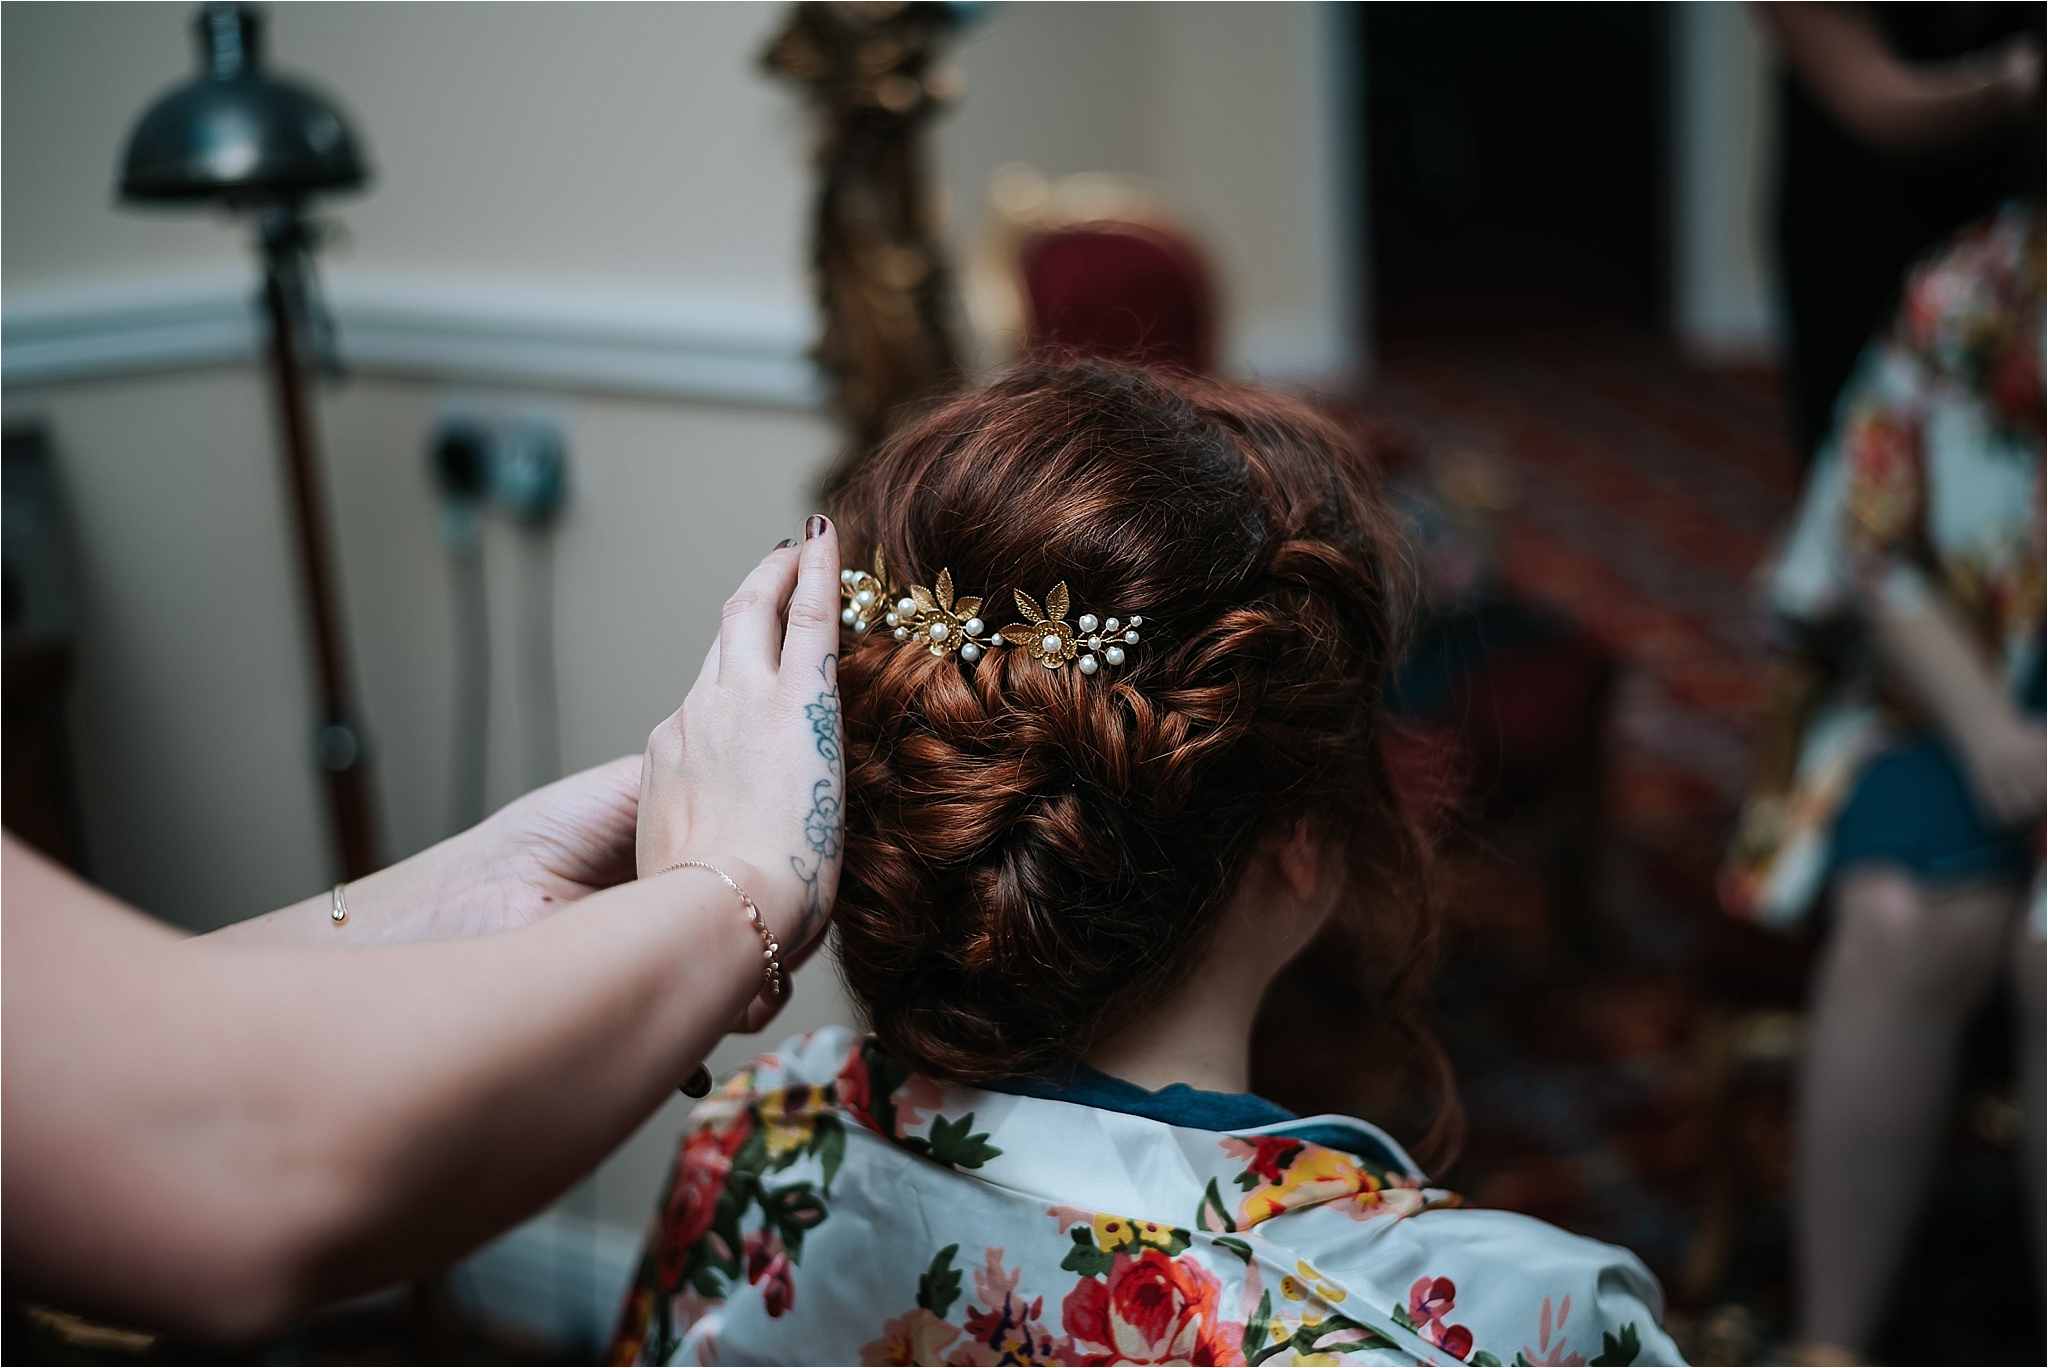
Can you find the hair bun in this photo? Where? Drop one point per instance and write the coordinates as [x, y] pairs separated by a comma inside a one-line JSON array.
[[1034, 855]]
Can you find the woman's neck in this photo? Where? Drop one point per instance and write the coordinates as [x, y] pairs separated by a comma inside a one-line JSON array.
[[1201, 1034]]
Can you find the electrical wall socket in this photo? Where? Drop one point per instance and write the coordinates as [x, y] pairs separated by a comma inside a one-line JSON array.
[[509, 454]]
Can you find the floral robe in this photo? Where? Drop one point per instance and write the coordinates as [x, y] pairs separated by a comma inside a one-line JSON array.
[[829, 1206], [1934, 471]]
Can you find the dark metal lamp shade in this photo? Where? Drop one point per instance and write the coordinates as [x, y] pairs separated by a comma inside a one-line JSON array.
[[236, 133], [238, 137]]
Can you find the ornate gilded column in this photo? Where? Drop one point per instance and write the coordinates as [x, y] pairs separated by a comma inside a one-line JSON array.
[[872, 72]]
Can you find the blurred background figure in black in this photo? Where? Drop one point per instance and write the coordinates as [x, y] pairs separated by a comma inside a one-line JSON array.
[[1517, 163]]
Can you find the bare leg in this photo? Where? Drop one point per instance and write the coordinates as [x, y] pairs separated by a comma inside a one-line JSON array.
[[2029, 962], [1900, 974]]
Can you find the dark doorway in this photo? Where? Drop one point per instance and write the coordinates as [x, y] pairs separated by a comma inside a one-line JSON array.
[[1517, 161]]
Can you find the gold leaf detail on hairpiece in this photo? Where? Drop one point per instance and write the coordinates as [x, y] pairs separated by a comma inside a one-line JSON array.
[[938, 621], [852, 584], [1043, 627]]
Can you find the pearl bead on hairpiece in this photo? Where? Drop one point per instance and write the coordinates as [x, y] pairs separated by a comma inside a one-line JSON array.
[[934, 619]]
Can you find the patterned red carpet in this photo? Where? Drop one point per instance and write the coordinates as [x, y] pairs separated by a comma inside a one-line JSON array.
[[1645, 493]]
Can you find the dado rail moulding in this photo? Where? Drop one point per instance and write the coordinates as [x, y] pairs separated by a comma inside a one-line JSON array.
[[680, 346]]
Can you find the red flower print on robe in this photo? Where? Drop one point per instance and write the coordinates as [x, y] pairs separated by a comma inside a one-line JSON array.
[[1886, 493], [1269, 1155], [853, 1089], [1149, 1309], [1546, 1351], [914, 1337], [1008, 1332], [909, 1104], [2015, 383], [701, 1171], [768, 1265], [1429, 1301]]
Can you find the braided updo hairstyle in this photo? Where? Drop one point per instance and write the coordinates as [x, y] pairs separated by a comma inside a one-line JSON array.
[[1034, 856]]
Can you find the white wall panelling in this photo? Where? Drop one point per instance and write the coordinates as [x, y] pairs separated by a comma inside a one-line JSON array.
[[1723, 124], [673, 346]]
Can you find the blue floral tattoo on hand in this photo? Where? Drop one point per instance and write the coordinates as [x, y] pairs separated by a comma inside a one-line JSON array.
[[825, 824]]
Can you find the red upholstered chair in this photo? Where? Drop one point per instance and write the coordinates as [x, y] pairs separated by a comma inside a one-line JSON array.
[[1091, 265], [1125, 291]]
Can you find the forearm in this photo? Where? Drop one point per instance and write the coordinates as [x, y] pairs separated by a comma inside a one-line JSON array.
[[530, 859], [1924, 644], [2004, 754], [1923, 109], [394, 905], [216, 1133], [505, 1069], [245, 1132], [1892, 105]]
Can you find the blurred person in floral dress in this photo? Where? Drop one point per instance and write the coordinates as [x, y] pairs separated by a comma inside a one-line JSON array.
[[1904, 767]]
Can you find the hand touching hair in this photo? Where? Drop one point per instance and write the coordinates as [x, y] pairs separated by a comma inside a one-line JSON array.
[[1034, 856]]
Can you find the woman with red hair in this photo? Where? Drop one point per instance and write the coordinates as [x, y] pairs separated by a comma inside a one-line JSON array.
[[1111, 687]]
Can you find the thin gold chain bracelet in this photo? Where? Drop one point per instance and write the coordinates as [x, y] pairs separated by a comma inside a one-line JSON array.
[[771, 949], [699, 1082]]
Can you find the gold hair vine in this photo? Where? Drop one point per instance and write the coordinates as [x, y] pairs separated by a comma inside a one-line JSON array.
[[935, 620]]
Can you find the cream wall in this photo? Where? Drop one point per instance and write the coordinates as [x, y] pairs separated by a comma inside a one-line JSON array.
[[193, 712], [597, 208], [628, 151], [193, 677], [598, 144]]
